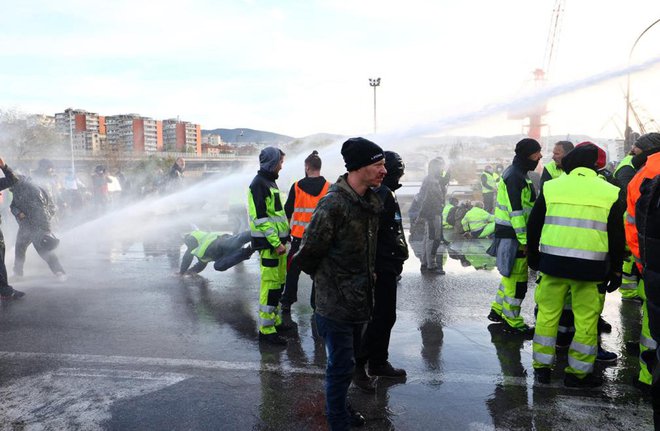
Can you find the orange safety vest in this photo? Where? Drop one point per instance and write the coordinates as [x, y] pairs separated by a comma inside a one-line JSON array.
[[649, 170], [303, 207]]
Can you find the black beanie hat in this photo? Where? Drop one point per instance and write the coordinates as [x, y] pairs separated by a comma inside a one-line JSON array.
[[526, 147], [648, 141], [360, 152], [584, 155]]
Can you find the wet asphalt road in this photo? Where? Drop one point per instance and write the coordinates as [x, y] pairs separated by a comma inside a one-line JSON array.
[[124, 344]]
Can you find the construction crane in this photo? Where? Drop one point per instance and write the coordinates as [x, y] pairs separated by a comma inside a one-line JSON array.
[[536, 113]]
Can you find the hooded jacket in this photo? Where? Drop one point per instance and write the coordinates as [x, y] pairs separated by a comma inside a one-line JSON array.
[[32, 206], [265, 204], [339, 251]]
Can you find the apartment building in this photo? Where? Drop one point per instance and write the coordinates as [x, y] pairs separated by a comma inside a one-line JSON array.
[[182, 136], [133, 133], [86, 130]]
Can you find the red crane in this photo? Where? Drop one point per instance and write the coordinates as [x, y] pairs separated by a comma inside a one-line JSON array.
[[536, 113]]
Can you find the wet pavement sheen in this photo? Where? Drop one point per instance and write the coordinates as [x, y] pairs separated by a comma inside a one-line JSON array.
[[125, 344]]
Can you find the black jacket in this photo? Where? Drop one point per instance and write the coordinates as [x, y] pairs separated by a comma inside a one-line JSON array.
[[391, 248], [647, 219], [32, 206]]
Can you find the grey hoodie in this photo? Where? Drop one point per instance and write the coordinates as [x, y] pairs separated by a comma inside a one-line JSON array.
[[269, 158]]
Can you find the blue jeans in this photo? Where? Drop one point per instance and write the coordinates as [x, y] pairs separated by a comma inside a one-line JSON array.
[[340, 339]]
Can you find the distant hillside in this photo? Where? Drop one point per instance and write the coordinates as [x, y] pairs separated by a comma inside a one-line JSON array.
[[249, 136]]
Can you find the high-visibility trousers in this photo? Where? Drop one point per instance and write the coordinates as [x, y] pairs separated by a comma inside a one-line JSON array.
[[566, 322], [628, 287], [273, 276], [646, 342], [586, 303], [511, 293]]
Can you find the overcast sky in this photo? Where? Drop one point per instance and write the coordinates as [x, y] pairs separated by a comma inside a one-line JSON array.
[[302, 67]]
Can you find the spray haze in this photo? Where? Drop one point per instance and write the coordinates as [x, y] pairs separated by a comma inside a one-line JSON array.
[[205, 204]]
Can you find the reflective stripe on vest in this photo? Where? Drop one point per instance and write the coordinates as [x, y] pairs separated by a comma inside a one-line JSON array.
[[275, 225], [506, 216], [204, 239], [578, 206], [303, 208], [476, 219]]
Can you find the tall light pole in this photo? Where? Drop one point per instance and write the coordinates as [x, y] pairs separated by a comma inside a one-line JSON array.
[[73, 163], [626, 143], [374, 83]]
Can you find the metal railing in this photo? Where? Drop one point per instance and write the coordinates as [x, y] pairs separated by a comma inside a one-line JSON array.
[[90, 154]]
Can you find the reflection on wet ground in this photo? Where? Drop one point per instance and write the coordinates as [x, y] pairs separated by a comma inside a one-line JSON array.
[[463, 371]]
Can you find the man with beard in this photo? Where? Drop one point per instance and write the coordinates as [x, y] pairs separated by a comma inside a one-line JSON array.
[[339, 251], [554, 169]]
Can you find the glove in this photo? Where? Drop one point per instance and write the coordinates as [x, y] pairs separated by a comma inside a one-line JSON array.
[[612, 283]]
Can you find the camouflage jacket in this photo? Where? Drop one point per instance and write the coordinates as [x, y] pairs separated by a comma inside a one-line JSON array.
[[339, 250]]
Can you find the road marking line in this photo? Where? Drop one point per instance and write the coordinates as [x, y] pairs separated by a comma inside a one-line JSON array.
[[164, 362]]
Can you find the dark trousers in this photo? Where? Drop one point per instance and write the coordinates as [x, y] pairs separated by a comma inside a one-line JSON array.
[[24, 238], [652, 289], [5, 289], [489, 201], [290, 294], [341, 340], [376, 340]]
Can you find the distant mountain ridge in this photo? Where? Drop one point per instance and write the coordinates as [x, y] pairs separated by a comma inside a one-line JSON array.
[[249, 136]]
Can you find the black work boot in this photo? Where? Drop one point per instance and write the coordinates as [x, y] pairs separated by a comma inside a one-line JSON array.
[[542, 375], [494, 317], [587, 382], [386, 370]]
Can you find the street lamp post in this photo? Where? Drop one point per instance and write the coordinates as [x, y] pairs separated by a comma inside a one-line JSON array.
[[374, 83], [626, 143], [73, 163]]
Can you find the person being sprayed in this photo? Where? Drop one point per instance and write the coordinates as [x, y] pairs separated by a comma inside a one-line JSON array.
[[34, 210], [225, 250], [6, 291]]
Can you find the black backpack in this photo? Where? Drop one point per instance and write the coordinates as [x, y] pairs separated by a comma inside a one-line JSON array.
[[647, 219]]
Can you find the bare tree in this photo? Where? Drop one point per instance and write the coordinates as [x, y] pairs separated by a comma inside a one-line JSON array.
[[22, 139]]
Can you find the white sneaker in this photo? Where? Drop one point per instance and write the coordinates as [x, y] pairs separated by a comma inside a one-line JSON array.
[[61, 276]]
